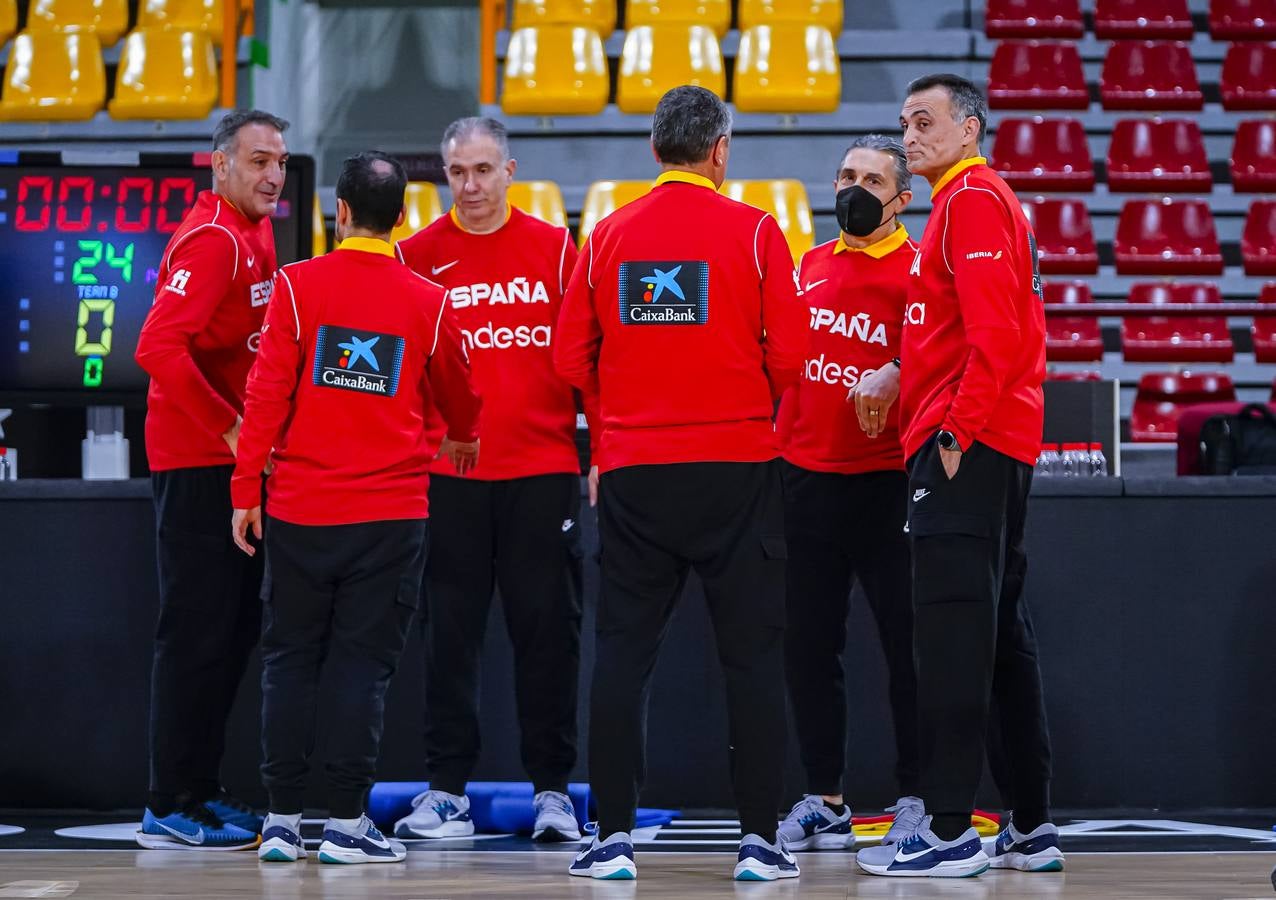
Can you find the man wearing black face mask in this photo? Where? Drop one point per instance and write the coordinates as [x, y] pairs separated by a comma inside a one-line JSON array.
[[845, 489]]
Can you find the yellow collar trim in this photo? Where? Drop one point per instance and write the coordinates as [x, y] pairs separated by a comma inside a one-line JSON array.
[[877, 249], [367, 245], [955, 171], [456, 220], [677, 175]]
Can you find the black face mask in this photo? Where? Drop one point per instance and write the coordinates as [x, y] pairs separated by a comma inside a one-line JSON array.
[[859, 212]]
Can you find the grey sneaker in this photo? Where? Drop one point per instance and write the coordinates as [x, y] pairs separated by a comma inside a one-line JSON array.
[[924, 854], [909, 812], [759, 861], [436, 814], [811, 825], [555, 818]]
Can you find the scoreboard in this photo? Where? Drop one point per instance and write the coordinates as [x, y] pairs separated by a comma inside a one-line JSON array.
[[80, 249]]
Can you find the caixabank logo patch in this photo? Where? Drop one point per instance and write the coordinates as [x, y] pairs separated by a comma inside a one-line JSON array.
[[353, 360], [669, 292]]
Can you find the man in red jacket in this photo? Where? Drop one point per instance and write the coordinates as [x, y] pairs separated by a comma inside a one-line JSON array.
[[512, 523], [354, 353], [198, 343], [971, 412], [684, 316]]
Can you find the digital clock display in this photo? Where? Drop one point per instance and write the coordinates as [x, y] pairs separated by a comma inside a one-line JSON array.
[[80, 249]]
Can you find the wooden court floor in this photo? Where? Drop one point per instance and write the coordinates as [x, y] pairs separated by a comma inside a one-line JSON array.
[[112, 874]]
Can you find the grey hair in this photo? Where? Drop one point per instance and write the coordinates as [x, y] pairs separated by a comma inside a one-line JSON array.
[[883, 144], [967, 100], [464, 129], [228, 128], [687, 123]]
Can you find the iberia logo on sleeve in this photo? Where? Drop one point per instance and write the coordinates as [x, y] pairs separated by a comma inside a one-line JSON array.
[[354, 360], [664, 293]]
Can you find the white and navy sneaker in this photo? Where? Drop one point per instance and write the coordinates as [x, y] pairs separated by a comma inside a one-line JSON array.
[[281, 839], [555, 818], [436, 814], [811, 825], [909, 812], [612, 859], [924, 854], [233, 811], [193, 828], [362, 844], [1035, 852], [762, 861]]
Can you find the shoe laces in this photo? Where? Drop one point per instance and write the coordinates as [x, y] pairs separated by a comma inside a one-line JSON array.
[[908, 817], [807, 809], [227, 799], [438, 801], [198, 812], [546, 800]]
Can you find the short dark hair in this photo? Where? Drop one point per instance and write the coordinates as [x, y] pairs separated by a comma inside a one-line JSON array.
[[967, 100], [463, 129], [687, 123], [372, 183], [228, 128], [889, 146]]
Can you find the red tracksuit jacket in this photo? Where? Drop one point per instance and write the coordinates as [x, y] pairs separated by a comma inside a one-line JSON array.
[[353, 354], [974, 349], [200, 337], [683, 313]]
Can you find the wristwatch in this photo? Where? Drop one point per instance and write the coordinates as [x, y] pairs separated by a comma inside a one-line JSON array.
[[948, 441]]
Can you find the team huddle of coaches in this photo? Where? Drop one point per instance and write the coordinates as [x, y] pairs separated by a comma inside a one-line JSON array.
[[345, 391]]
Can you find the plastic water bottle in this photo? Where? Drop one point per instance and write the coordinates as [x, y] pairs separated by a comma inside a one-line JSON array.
[[4, 463], [1048, 461], [1075, 461], [1098, 462]]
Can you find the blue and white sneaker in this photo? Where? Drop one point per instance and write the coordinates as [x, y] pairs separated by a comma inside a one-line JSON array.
[[909, 812], [811, 825], [365, 844], [924, 854], [281, 839], [232, 810], [1035, 852], [193, 828], [612, 859], [436, 814], [762, 861], [555, 818]]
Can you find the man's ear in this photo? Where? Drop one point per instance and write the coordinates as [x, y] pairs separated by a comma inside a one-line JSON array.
[[221, 164]]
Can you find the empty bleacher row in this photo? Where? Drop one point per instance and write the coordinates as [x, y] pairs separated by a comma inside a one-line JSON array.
[[56, 65]]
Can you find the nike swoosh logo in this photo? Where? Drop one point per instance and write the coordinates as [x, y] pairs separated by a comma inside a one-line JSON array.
[[251, 260], [568, 523], [434, 270], [901, 856], [921, 494], [196, 838], [815, 284]]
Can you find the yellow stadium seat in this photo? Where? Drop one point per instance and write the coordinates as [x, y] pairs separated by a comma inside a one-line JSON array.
[[421, 199], [165, 75], [787, 68], [108, 19], [8, 20], [555, 70], [808, 12], [656, 58], [599, 15], [714, 14], [54, 76], [605, 197], [541, 199], [183, 15], [319, 230], [784, 198]]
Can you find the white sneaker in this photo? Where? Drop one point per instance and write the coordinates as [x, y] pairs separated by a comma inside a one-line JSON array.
[[281, 839], [555, 818], [612, 859], [759, 861], [436, 814], [365, 844], [811, 825], [1035, 852]]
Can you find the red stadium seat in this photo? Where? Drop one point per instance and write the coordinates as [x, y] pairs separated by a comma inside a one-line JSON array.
[[1150, 75], [1248, 79], [1083, 375], [1142, 19], [1033, 19], [1167, 237], [1162, 396], [1258, 240], [1156, 155], [1037, 75], [1242, 20], [1254, 157], [1263, 330], [1065, 240], [1043, 155], [1176, 339], [1070, 339]]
